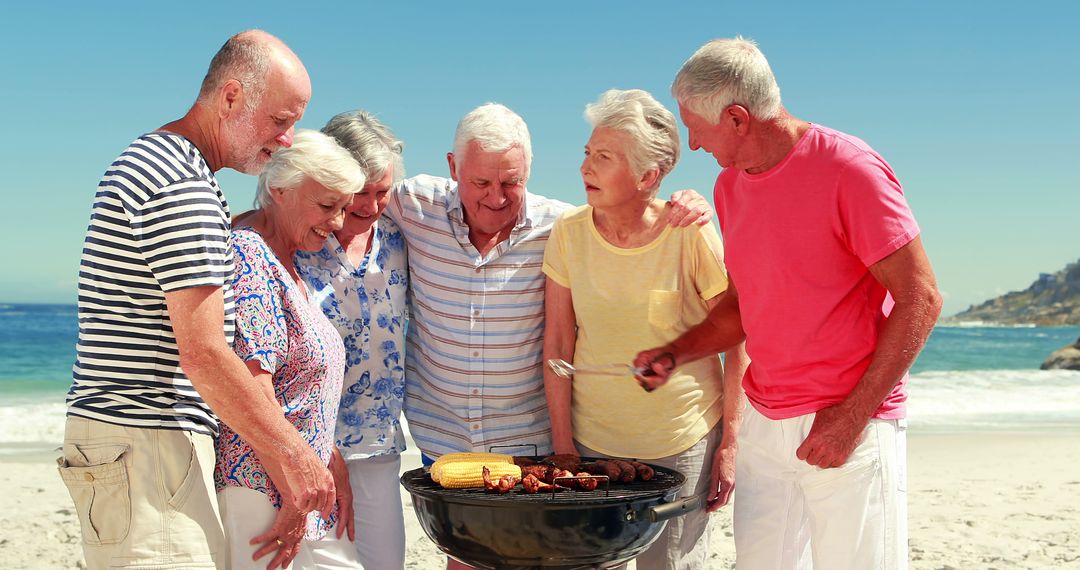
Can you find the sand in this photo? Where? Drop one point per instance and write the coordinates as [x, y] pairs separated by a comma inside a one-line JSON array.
[[986, 501]]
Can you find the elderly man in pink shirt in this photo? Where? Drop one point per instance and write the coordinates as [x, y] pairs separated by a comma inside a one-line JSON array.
[[835, 296]]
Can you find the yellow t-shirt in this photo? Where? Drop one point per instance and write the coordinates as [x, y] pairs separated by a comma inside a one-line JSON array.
[[628, 300]]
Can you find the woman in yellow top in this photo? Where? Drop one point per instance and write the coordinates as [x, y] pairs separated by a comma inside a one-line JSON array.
[[620, 278]]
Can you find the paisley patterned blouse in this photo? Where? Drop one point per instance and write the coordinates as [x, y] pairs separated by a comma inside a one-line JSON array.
[[367, 306], [290, 338]]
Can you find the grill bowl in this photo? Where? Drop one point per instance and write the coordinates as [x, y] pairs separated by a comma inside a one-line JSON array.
[[567, 529]]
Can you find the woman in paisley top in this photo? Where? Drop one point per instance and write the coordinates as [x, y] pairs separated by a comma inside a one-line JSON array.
[[292, 351], [360, 279]]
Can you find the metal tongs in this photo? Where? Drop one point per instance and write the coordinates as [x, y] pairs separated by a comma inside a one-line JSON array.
[[565, 369]]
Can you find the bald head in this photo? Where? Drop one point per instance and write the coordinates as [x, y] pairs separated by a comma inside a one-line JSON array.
[[251, 58], [253, 94]]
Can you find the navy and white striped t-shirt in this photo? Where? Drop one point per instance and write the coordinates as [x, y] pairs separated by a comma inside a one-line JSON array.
[[159, 223]]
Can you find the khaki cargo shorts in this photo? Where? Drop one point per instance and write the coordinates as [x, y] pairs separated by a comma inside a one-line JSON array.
[[145, 497]]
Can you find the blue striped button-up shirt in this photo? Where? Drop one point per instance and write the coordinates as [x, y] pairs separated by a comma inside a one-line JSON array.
[[473, 374]]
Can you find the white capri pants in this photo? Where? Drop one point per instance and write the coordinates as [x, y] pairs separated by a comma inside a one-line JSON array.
[[377, 511], [247, 513], [788, 512]]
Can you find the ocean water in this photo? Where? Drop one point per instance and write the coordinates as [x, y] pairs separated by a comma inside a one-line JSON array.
[[969, 378]]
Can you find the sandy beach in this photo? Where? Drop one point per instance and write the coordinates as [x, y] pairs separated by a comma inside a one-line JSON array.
[[993, 500]]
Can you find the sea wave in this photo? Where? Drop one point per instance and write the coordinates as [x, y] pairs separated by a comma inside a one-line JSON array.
[[938, 401], [983, 324], [40, 423], [1002, 399]]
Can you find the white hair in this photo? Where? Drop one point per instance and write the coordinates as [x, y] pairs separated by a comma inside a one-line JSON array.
[[371, 143], [653, 131], [724, 72], [314, 156], [496, 129]]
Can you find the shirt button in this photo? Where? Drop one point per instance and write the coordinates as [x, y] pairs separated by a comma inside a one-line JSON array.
[[475, 391], [476, 312], [476, 426], [476, 353], [88, 476], [477, 270]]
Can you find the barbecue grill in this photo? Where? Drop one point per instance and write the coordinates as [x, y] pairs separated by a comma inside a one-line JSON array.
[[568, 529]]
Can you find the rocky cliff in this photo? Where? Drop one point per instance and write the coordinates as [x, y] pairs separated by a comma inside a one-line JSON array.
[[1052, 300]]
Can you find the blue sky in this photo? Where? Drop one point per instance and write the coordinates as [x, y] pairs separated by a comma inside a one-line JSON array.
[[973, 104]]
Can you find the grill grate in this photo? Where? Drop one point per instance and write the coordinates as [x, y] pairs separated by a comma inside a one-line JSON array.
[[418, 481]]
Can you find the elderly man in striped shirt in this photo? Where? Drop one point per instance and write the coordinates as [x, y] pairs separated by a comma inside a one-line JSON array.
[[476, 244], [154, 368]]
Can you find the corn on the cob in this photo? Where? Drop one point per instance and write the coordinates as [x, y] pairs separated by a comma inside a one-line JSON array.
[[470, 473], [449, 458]]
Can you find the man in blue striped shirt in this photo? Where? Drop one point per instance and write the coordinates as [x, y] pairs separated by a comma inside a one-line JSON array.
[[154, 368], [476, 241]]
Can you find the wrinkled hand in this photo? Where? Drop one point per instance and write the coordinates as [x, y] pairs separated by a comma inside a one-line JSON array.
[[722, 477], [308, 483], [283, 539], [658, 364], [833, 436], [689, 207], [343, 488]]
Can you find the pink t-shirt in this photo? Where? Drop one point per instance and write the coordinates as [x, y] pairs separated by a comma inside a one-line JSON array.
[[799, 239]]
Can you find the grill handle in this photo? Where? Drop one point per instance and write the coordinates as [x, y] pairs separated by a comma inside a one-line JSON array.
[[676, 508]]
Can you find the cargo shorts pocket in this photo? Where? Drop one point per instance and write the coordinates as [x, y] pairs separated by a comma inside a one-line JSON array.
[[97, 479], [665, 308]]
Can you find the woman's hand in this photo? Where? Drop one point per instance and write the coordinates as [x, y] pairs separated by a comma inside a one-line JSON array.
[[722, 477], [284, 537], [340, 470]]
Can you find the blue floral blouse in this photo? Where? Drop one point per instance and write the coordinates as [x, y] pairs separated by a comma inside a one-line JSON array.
[[367, 305]]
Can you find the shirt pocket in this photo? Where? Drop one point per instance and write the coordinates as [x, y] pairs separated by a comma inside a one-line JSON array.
[[97, 479], [665, 308]]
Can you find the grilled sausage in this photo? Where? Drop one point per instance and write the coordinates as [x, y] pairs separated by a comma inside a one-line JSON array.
[[627, 472], [604, 467], [644, 472]]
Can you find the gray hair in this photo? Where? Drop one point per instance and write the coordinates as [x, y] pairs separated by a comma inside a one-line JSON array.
[[653, 129], [371, 143], [314, 156], [725, 72], [496, 129], [246, 58]]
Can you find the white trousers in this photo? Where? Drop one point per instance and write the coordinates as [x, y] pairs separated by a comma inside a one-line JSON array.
[[788, 512], [247, 513], [377, 512]]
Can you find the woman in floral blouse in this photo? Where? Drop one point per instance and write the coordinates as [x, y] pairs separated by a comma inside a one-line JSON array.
[[292, 351], [360, 279]]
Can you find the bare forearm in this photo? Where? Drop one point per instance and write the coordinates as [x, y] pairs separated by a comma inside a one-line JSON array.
[[736, 362], [901, 339], [559, 394], [226, 385], [719, 332], [560, 341]]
